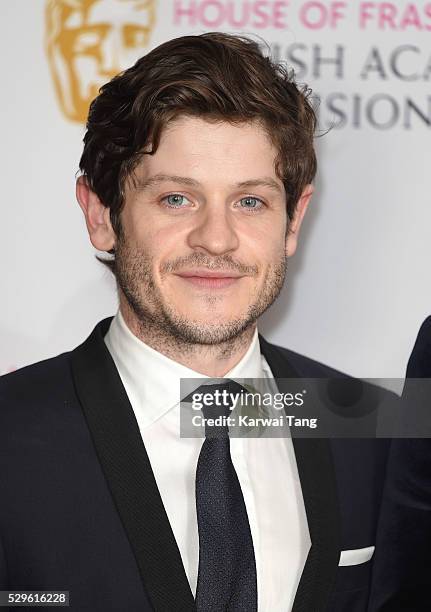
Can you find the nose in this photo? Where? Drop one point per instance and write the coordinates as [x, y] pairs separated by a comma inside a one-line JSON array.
[[214, 231]]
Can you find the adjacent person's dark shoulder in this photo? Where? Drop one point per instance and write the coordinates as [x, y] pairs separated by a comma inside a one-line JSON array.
[[419, 364]]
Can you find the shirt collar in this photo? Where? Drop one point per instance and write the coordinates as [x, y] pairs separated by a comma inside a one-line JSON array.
[[152, 380]]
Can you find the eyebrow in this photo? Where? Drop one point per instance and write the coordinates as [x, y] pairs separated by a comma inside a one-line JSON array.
[[144, 184]]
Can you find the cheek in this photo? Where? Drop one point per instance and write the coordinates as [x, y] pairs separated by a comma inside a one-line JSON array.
[[163, 247], [265, 247], [139, 231]]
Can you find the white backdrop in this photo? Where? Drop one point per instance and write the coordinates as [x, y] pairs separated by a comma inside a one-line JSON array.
[[358, 288]]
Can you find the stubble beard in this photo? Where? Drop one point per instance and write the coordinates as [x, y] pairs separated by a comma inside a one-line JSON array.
[[163, 324]]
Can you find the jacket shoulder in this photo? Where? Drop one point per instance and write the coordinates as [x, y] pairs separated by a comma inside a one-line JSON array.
[[342, 388], [305, 366], [39, 384]]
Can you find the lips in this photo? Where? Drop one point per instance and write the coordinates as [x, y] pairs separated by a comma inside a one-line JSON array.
[[210, 279]]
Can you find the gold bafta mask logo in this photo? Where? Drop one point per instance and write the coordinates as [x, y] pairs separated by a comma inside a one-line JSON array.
[[90, 41]]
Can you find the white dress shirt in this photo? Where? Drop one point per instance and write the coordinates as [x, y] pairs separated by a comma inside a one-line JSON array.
[[266, 467]]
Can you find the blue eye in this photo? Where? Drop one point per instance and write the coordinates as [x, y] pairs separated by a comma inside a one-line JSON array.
[[175, 200], [252, 203]]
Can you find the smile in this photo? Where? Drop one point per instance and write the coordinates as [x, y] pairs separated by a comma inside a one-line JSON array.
[[210, 279]]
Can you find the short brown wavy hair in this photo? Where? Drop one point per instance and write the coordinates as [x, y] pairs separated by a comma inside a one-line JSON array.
[[214, 75]]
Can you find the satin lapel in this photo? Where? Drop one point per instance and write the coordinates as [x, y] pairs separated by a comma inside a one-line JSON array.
[[319, 490], [129, 475]]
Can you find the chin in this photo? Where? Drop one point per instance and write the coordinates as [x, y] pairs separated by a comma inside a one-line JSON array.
[[207, 330], [211, 322]]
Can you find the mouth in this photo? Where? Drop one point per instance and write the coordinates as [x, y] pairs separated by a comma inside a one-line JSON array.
[[210, 279]]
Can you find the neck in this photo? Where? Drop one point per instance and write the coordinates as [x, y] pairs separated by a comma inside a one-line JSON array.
[[213, 360]]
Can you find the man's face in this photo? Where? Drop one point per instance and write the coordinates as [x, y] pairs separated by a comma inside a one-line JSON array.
[[222, 211], [92, 41]]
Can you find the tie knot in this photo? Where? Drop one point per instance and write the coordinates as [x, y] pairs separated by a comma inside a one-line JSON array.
[[217, 401]]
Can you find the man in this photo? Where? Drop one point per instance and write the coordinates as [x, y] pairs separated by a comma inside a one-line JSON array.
[[197, 171], [403, 560]]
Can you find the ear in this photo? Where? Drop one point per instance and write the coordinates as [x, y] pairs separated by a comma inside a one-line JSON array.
[[295, 224], [102, 235]]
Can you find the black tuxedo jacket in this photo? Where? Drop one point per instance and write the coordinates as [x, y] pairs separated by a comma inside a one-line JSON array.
[[402, 572], [80, 509]]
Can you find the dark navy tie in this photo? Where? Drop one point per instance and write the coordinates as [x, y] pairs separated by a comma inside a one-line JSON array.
[[227, 579]]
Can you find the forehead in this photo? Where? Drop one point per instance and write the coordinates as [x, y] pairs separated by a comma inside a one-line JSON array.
[[212, 152], [113, 12]]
